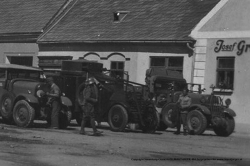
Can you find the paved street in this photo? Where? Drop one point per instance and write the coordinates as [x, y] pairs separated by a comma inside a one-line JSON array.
[[39, 146]]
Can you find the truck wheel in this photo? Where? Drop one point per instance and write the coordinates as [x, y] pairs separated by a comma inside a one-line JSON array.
[[151, 120], [170, 115], [227, 129], [118, 118], [23, 114], [196, 122], [65, 116], [6, 108]]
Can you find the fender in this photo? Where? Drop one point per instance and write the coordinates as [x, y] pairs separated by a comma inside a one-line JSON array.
[[230, 112], [203, 109], [66, 101], [124, 104], [30, 98]]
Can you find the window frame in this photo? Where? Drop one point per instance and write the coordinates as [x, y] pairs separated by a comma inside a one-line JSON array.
[[226, 71], [166, 63], [117, 68]]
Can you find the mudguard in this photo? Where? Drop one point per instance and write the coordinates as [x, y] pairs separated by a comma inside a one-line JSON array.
[[203, 109], [124, 104], [66, 101], [230, 112], [28, 97]]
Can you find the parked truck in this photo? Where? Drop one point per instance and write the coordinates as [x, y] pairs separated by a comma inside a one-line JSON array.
[[206, 111], [22, 98], [120, 101]]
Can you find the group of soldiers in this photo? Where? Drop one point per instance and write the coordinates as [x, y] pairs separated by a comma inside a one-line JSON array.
[[90, 96], [90, 100]]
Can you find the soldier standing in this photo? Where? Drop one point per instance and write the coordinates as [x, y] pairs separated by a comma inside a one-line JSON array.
[[54, 99], [183, 103], [89, 104]]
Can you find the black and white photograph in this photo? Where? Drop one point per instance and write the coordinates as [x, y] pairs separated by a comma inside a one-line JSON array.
[[124, 82]]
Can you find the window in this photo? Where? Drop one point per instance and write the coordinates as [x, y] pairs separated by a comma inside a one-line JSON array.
[[119, 16], [117, 69], [21, 60], [15, 73], [52, 63], [171, 63], [225, 73]]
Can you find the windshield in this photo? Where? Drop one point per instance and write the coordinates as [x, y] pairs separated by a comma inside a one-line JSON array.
[[27, 74]]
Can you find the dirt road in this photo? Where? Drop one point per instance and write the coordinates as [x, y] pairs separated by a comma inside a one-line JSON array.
[[39, 146]]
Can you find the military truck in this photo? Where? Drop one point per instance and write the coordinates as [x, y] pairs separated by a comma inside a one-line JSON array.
[[206, 111], [21, 99], [121, 102]]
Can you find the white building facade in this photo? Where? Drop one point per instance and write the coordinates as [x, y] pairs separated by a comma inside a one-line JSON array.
[[222, 54]]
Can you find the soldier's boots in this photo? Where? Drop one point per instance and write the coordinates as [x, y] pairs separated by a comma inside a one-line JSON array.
[[97, 132], [177, 132], [185, 132]]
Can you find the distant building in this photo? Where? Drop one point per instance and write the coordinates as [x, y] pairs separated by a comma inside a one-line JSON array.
[[222, 55], [127, 35], [21, 23]]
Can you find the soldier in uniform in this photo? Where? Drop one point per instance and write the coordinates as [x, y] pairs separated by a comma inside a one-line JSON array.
[[183, 104], [54, 99], [89, 104]]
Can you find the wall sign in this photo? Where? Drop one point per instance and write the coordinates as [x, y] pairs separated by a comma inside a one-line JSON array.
[[239, 47]]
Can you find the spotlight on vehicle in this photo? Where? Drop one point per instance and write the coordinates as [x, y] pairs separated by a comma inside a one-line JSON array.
[[228, 102]]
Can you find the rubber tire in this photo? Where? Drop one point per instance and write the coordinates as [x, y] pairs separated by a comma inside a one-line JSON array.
[[29, 116], [166, 114], [64, 117], [7, 113], [117, 118], [228, 129], [196, 116], [79, 93], [151, 120]]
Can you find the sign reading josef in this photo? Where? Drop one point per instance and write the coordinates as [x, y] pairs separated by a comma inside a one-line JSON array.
[[240, 47]]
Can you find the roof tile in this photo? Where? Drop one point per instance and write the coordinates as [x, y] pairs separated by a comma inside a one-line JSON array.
[[147, 20], [26, 16]]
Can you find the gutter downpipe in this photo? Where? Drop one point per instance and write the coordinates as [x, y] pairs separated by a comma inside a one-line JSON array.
[[193, 62]]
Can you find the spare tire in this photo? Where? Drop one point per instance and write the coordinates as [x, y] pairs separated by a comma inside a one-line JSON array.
[[79, 93]]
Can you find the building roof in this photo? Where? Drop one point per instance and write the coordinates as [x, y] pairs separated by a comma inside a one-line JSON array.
[[26, 16], [229, 20], [147, 20]]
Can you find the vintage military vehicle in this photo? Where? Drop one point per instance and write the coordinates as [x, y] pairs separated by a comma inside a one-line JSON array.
[[206, 111], [21, 98], [121, 102]]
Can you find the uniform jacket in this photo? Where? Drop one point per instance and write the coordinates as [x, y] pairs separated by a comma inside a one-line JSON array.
[[54, 89], [185, 101], [90, 95]]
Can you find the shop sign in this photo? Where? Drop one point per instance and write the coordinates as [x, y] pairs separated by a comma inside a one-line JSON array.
[[239, 47]]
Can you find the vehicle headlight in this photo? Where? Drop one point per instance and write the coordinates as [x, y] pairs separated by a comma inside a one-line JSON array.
[[40, 93], [228, 102]]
